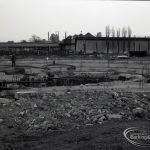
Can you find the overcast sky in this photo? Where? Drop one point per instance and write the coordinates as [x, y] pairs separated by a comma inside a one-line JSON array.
[[19, 19]]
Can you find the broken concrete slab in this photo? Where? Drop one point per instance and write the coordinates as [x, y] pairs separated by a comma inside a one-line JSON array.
[[114, 116], [4, 101]]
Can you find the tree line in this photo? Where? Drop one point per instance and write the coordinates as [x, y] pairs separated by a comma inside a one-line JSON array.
[[54, 38], [111, 32]]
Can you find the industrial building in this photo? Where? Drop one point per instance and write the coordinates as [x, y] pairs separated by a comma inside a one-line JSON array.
[[29, 48], [88, 44], [81, 44]]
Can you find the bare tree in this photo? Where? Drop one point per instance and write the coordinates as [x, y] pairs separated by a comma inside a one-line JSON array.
[[54, 38], [129, 35], [99, 34], [113, 35], [107, 31], [129, 31], [118, 36], [118, 32], [113, 32], [23, 41], [124, 32], [35, 38]]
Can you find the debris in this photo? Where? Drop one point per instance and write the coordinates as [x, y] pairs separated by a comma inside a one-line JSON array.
[[68, 115], [4, 105], [4, 101], [89, 124], [44, 123], [35, 106], [32, 122], [52, 128], [10, 126], [115, 95], [41, 117], [81, 85], [22, 113], [114, 116], [74, 109], [45, 97], [36, 126], [18, 104], [102, 118], [1, 120], [138, 112]]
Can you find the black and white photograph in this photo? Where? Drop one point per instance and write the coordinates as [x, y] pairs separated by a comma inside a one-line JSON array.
[[74, 75]]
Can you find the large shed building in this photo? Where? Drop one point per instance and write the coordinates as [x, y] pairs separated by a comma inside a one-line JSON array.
[[88, 44]]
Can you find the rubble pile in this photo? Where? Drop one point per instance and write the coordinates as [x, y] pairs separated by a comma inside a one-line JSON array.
[[42, 112]]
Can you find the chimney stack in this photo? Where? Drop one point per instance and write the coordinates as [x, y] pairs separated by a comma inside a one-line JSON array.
[[65, 35], [58, 35], [48, 36]]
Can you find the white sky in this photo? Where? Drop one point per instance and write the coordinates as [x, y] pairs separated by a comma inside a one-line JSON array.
[[19, 19]]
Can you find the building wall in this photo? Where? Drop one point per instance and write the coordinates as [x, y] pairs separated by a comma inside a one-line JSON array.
[[101, 46]]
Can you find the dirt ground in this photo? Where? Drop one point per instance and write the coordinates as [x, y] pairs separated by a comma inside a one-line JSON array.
[[83, 117], [108, 136]]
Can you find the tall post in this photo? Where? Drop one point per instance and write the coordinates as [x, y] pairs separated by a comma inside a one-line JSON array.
[[148, 46], [65, 35], [58, 35], [48, 36]]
